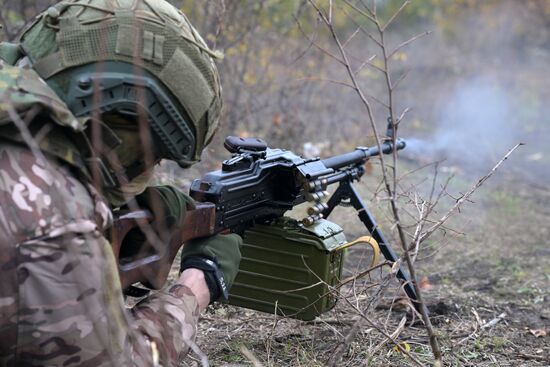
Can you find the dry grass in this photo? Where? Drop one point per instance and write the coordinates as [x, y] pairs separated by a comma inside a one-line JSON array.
[[473, 279]]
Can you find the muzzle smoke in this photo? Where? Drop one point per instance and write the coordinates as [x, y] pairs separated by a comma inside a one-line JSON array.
[[476, 126]]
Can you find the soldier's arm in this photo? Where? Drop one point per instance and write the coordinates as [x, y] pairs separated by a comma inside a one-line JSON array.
[[168, 319]]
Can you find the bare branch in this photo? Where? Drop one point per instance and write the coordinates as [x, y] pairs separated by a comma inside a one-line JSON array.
[[402, 116], [396, 84], [319, 47], [395, 15], [374, 66], [320, 12], [351, 37], [466, 196], [393, 335], [408, 42], [390, 184], [343, 345], [385, 334], [363, 29], [337, 82], [362, 12], [364, 63], [307, 37]]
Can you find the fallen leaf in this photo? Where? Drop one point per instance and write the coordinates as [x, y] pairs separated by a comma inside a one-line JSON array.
[[425, 284], [539, 333], [401, 304], [277, 119], [368, 167], [404, 346]]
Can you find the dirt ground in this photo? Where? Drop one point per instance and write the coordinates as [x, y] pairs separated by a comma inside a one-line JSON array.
[[486, 282]]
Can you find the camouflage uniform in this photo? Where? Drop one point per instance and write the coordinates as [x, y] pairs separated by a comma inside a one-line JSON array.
[[60, 297]]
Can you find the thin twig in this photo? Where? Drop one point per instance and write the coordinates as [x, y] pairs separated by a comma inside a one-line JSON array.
[[396, 84], [361, 12], [395, 15], [352, 36], [385, 334], [408, 42], [393, 335], [467, 195], [336, 82]]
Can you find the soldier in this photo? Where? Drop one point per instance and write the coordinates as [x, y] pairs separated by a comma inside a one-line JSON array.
[[95, 93]]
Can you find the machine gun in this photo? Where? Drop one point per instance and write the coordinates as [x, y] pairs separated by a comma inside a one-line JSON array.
[[257, 186]]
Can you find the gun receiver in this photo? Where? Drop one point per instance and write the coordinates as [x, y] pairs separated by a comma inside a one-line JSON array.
[[258, 185]]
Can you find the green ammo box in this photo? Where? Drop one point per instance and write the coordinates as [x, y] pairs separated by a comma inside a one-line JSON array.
[[287, 268]]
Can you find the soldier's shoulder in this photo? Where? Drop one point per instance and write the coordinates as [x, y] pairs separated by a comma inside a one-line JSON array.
[[22, 92]]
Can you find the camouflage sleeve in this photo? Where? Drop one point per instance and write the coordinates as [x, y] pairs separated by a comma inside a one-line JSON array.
[[169, 322], [168, 319]]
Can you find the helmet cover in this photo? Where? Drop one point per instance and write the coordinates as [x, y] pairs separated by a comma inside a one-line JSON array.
[[166, 55]]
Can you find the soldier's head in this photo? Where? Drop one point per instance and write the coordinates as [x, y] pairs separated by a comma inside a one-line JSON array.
[[131, 63]]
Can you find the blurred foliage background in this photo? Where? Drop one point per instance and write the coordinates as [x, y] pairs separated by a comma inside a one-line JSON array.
[[476, 84]]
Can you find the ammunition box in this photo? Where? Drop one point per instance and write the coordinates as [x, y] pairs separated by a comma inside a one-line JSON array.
[[287, 268]]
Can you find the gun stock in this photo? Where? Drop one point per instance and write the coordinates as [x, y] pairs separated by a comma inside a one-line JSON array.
[[148, 264]]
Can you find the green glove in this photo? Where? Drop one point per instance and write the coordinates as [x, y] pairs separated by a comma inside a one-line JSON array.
[[219, 257], [166, 202], [168, 206]]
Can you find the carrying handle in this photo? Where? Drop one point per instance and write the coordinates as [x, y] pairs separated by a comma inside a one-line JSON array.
[[367, 240]]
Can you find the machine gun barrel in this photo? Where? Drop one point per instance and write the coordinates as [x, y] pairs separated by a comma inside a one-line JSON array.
[[361, 154]]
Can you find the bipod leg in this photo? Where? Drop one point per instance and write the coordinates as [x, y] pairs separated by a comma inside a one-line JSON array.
[[339, 195], [347, 191]]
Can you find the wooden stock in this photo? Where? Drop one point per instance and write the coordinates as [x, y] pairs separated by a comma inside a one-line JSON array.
[[150, 264]]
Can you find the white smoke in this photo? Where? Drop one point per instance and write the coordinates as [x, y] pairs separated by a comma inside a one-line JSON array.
[[476, 125]]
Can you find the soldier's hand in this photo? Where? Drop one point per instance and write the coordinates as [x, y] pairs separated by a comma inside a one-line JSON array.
[[219, 257]]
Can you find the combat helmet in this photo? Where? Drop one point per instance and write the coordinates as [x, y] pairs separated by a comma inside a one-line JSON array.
[[126, 56]]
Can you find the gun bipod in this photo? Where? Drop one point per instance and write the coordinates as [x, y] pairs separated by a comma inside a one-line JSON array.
[[346, 191]]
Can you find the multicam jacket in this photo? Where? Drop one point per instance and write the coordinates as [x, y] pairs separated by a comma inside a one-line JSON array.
[[60, 297]]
